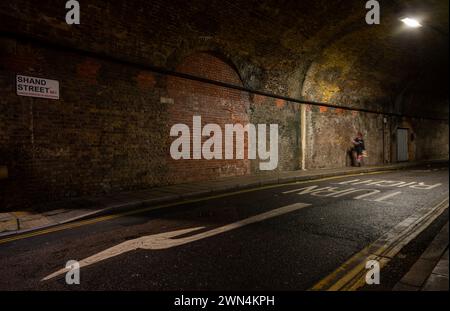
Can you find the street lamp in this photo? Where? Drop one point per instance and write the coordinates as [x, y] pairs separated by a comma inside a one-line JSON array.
[[411, 22]]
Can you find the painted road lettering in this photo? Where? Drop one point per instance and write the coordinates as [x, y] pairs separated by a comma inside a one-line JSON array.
[[390, 183], [336, 192], [368, 194]]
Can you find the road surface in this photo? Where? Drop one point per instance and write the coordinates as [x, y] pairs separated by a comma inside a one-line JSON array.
[[286, 237]]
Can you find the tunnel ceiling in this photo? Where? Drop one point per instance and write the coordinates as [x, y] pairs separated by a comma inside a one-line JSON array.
[[281, 35], [379, 62], [322, 47], [344, 55]]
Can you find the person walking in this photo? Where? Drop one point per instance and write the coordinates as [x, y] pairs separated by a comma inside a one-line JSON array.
[[358, 149]]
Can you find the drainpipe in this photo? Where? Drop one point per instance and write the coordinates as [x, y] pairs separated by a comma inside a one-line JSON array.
[[303, 135], [384, 138]]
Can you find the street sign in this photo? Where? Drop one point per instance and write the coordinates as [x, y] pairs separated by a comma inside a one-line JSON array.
[[37, 87]]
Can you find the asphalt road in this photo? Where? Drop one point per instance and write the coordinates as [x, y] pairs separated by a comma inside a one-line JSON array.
[[279, 239]]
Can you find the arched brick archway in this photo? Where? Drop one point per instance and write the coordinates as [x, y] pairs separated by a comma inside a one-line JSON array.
[[214, 104]]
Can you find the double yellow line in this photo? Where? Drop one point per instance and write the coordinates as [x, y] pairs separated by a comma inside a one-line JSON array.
[[80, 223], [351, 275]]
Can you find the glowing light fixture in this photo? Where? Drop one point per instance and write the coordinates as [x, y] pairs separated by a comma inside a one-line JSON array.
[[411, 22]]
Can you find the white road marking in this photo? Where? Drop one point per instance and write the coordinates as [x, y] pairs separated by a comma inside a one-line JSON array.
[[390, 195], [350, 191], [388, 183], [165, 240], [372, 192], [406, 184], [334, 192]]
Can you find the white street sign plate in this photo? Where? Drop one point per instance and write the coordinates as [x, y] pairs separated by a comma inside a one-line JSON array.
[[37, 87]]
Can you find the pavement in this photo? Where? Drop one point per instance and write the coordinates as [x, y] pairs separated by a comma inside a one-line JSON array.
[[430, 271], [438, 279], [308, 234], [57, 213]]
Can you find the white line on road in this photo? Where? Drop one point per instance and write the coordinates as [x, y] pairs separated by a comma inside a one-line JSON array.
[[166, 240], [390, 195]]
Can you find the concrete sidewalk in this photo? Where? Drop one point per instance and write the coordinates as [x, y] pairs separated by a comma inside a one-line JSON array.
[[430, 272], [70, 210]]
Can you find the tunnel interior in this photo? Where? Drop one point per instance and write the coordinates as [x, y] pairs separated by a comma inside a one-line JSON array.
[[315, 68]]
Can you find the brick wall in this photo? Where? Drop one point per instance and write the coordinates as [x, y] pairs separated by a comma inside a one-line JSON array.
[[218, 105], [106, 133], [110, 129], [344, 75]]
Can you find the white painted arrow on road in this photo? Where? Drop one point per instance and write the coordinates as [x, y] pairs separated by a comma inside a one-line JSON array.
[[166, 240]]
